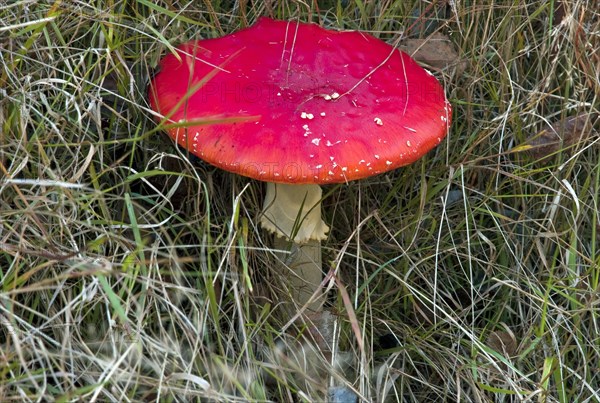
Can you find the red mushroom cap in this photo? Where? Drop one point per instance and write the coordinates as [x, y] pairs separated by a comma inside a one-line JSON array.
[[314, 105]]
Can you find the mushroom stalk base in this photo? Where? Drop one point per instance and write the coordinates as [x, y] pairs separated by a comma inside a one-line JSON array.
[[293, 213], [303, 264]]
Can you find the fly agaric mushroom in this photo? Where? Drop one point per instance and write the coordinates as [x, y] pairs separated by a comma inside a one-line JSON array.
[[314, 106]]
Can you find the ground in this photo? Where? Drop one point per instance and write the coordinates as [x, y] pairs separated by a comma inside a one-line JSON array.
[[133, 271]]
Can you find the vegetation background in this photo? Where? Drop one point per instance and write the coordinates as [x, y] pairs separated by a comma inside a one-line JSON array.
[[131, 271]]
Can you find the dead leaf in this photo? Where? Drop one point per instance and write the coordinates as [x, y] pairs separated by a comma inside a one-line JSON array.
[[561, 135], [436, 51], [503, 341]]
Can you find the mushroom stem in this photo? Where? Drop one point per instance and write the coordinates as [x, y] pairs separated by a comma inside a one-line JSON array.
[[304, 262], [293, 213]]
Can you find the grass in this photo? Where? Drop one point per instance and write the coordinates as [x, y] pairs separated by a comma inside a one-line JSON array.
[[132, 271]]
